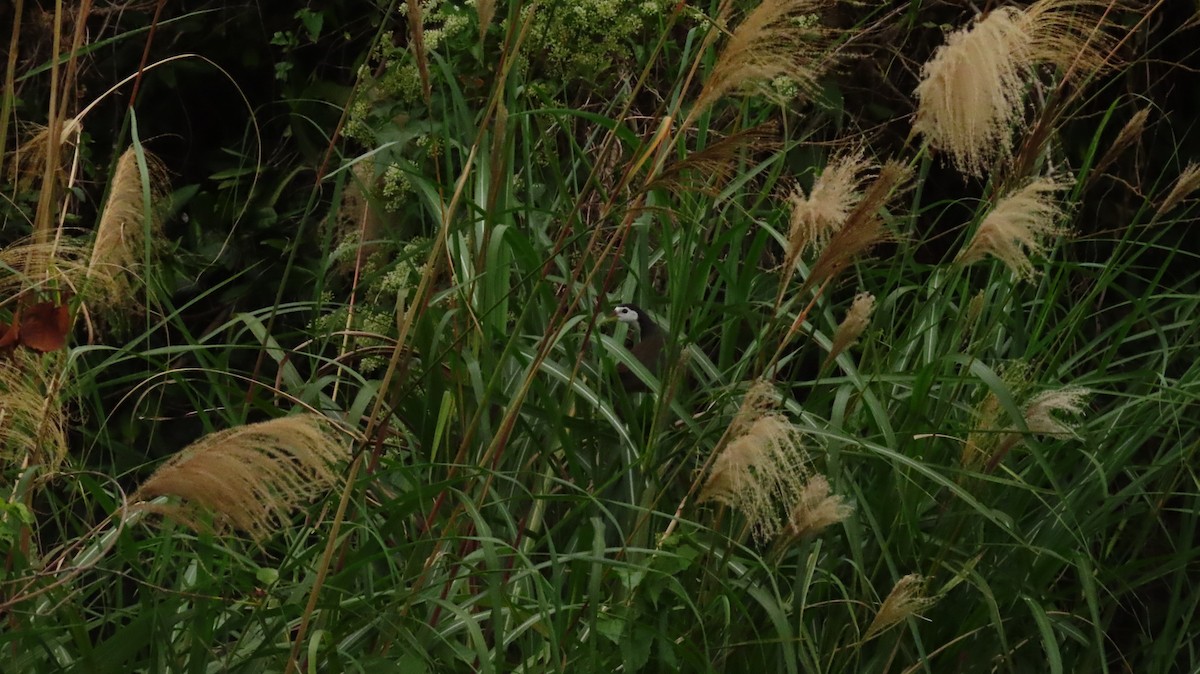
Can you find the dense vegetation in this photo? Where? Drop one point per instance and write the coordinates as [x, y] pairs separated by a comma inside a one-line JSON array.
[[305, 366]]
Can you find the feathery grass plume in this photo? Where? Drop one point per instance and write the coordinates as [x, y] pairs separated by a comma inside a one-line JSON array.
[[485, 10], [779, 38], [863, 228], [815, 217], [32, 422], [971, 95], [1125, 137], [29, 157], [1017, 227], [252, 476], [852, 326], [121, 235], [762, 397], [906, 599], [985, 435], [815, 509], [1039, 410], [1188, 182], [763, 469], [709, 169], [27, 264]]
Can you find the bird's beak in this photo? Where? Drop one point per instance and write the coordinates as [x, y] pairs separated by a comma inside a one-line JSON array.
[[608, 317]]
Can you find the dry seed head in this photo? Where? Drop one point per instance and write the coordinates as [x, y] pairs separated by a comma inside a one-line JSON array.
[[30, 156], [815, 509], [863, 228], [27, 265], [817, 215], [1017, 227], [905, 600], [250, 477], [121, 235], [985, 434], [1128, 134], [760, 473], [1188, 182], [760, 399], [32, 422], [778, 38], [972, 92], [485, 9], [709, 169], [851, 328], [1039, 411]]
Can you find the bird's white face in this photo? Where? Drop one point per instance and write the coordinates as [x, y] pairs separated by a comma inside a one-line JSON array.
[[625, 314]]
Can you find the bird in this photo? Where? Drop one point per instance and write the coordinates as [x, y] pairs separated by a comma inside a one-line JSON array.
[[648, 349]]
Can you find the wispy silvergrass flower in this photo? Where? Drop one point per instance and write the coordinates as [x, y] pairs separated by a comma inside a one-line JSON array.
[[777, 38], [816, 509], [30, 156], [762, 470], [1188, 182], [815, 217], [906, 599], [985, 434], [992, 440], [1039, 417], [485, 10], [971, 95], [1017, 227], [119, 248], [1128, 134], [709, 169], [863, 228], [27, 264], [250, 477], [32, 421], [852, 326]]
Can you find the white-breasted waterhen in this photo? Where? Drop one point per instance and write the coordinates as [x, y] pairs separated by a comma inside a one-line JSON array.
[[648, 349]]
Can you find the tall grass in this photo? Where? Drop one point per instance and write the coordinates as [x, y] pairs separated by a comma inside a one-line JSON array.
[[911, 421]]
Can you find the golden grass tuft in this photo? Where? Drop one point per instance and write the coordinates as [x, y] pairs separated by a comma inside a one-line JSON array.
[[852, 326], [761, 398], [1018, 227], [992, 439], [1188, 182], [32, 421], [27, 161], [1128, 135], [764, 472], [711, 168], [486, 10], [119, 248], [759, 473], [864, 226], [816, 509], [985, 435], [778, 38], [972, 92], [250, 477], [1039, 417], [822, 212], [28, 265], [906, 599]]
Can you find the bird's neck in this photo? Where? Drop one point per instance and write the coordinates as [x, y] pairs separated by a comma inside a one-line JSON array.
[[646, 327]]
